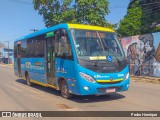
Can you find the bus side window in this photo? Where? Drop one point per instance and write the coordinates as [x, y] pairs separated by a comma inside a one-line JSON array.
[[64, 47]]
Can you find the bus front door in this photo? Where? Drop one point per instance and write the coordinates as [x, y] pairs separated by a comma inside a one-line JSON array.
[[50, 62], [18, 59]]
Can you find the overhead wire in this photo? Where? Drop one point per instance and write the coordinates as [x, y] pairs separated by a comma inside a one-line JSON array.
[[150, 3], [151, 7], [150, 11]]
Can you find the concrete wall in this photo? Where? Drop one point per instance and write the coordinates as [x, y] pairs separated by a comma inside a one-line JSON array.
[[143, 54]]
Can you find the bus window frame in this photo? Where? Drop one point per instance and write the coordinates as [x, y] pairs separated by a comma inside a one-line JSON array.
[[60, 33]]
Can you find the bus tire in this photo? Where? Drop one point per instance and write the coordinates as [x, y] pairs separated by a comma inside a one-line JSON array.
[[64, 90], [29, 83]]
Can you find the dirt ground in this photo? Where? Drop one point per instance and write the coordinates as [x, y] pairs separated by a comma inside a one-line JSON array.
[[154, 80]]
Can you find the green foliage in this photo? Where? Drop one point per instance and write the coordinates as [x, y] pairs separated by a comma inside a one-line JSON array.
[[73, 11], [150, 16], [131, 23], [54, 11], [142, 17]]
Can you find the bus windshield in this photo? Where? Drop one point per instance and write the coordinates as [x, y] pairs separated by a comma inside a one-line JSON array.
[[97, 45]]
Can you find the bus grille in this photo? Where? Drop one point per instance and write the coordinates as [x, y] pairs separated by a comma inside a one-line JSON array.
[[104, 89], [109, 82]]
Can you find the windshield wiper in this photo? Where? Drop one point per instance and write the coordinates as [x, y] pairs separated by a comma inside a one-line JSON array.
[[107, 47], [97, 60], [100, 50]]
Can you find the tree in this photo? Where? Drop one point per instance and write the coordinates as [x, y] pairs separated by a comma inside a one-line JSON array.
[[150, 15], [73, 11], [143, 16], [131, 24]]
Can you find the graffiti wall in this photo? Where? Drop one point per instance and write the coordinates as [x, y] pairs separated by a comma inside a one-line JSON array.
[[143, 54]]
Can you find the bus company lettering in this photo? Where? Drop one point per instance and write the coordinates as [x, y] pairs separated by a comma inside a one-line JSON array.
[[22, 65], [30, 66], [120, 75], [61, 70], [99, 76], [38, 63]]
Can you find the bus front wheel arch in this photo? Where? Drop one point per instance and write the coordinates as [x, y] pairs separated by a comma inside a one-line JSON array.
[[65, 90]]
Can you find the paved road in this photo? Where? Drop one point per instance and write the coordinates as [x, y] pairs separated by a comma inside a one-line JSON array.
[[16, 95]]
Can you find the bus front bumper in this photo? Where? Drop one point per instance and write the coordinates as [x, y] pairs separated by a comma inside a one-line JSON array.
[[103, 88]]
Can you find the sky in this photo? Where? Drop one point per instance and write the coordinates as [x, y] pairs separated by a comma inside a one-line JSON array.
[[118, 9], [18, 17]]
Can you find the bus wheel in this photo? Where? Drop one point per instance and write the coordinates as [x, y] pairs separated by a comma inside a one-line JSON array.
[[28, 80], [64, 90]]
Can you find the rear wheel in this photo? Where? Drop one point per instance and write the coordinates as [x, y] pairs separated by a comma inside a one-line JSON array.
[[28, 80], [64, 90]]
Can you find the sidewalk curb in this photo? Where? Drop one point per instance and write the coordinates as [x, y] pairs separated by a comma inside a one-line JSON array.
[[147, 79]]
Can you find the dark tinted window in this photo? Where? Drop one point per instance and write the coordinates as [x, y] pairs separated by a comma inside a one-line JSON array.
[[40, 47], [35, 47], [31, 47], [15, 50], [24, 48], [64, 47]]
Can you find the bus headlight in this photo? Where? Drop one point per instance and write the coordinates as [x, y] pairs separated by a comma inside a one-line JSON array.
[[87, 77], [126, 76]]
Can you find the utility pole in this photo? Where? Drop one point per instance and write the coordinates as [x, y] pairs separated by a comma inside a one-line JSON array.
[[8, 50]]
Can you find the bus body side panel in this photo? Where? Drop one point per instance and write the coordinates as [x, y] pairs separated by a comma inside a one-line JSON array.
[[65, 69], [35, 68]]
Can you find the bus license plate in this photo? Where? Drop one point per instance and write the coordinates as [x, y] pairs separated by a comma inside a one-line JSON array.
[[110, 90]]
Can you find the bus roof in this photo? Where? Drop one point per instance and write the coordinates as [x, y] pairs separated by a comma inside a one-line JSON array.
[[89, 27], [65, 25], [45, 30]]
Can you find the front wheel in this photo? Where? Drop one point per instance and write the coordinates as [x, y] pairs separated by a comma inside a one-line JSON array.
[[64, 90]]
